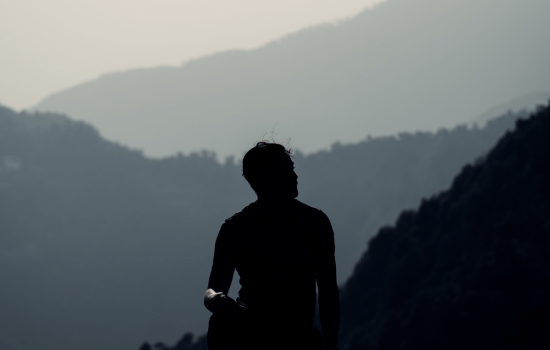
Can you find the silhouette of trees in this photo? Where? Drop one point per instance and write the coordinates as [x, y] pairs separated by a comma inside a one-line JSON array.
[[187, 342], [469, 268], [145, 346]]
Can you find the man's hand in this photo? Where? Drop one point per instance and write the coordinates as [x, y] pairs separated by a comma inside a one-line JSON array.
[[220, 300], [216, 301]]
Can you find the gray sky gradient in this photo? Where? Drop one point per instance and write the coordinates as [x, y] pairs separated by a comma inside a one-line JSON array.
[[50, 45]]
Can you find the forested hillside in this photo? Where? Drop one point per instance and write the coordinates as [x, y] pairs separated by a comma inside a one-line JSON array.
[[104, 248], [99, 245], [469, 269], [405, 65]]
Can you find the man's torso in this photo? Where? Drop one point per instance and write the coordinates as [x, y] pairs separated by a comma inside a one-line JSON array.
[[276, 260]]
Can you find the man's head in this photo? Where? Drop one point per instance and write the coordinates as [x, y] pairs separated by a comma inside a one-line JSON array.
[[269, 169]]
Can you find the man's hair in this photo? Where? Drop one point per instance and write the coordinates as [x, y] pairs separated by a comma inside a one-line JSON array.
[[258, 157]]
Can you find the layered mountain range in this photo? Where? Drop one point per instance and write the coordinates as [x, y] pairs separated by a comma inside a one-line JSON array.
[[102, 247], [403, 66]]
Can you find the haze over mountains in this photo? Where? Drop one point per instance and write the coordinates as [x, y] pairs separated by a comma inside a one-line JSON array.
[[406, 65], [104, 248]]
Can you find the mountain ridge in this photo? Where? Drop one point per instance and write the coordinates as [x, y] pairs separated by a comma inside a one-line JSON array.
[[468, 268], [401, 66]]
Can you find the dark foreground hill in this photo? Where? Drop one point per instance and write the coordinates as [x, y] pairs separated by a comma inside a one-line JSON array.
[[101, 247], [470, 268], [405, 65]]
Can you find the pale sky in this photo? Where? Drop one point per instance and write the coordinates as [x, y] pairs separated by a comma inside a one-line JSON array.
[[50, 45]]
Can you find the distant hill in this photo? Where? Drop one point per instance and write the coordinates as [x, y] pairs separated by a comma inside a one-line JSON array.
[[405, 65], [525, 103], [102, 247], [469, 269]]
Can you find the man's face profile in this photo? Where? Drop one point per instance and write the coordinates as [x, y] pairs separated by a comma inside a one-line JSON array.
[[279, 179]]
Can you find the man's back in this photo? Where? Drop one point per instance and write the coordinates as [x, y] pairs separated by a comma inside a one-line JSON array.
[[277, 259]]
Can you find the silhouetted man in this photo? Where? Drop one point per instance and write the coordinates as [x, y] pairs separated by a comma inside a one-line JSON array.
[[281, 248]]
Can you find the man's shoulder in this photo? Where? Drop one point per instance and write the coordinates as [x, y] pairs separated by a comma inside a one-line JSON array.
[[238, 217], [249, 211], [318, 220], [309, 210]]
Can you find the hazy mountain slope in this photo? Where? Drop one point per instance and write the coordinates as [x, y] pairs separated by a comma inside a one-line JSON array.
[[366, 185], [406, 65], [103, 248], [99, 245], [470, 268]]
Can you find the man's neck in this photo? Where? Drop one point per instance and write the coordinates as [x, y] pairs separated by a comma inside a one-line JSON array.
[[274, 206]]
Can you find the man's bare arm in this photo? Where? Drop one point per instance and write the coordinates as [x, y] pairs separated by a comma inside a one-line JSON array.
[[222, 271]]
